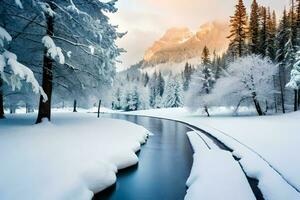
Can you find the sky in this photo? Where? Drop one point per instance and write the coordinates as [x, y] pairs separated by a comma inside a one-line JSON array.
[[147, 20]]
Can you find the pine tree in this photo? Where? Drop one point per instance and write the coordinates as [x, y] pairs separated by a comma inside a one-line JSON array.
[[294, 82], [282, 39], [254, 28], [238, 32], [173, 96], [218, 68], [205, 56], [146, 79], [293, 25], [187, 74], [298, 22], [271, 34], [152, 90], [263, 32], [160, 85]]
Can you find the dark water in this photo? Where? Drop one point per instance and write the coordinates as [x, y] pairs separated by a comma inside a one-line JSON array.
[[164, 166]]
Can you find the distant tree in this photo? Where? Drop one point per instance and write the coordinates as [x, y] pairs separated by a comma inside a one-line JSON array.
[[282, 39], [145, 79], [187, 75], [271, 35], [238, 32], [160, 84], [205, 57], [263, 32], [201, 85], [173, 97], [153, 90], [254, 28], [117, 99], [294, 82]]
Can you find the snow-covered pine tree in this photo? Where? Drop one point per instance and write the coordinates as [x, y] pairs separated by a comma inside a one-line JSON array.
[[173, 96], [238, 32], [208, 77], [75, 39], [134, 100], [201, 84], [12, 72], [117, 99], [294, 82]]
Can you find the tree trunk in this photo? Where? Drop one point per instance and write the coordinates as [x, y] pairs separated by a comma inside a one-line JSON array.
[[275, 98], [1, 100], [257, 105], [296, 100], [12, 109], [267, 107], [26, 107], [99, 106], [281, 80], [206, 110], [75, 106], [45, 107]]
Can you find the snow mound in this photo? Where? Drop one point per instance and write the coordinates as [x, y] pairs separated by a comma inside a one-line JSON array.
[[73, 157]]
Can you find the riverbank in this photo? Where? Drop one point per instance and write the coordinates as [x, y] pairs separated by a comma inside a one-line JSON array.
[[73, 157]]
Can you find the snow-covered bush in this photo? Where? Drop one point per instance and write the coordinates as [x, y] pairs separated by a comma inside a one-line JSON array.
[[248, 80]]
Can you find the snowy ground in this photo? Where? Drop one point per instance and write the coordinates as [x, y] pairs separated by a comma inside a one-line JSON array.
[[210, 161], [71, 158], [268, 146]]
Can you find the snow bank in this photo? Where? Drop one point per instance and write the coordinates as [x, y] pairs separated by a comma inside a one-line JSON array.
[[211, 173], [71, 158]]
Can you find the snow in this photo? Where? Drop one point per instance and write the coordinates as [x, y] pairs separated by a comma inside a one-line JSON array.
[[211, 172], [53, 52], [266, 145], [92, 49], [19, 73], [45, 7], [4, 36], [294, 82], [71, 158], [18, 3]]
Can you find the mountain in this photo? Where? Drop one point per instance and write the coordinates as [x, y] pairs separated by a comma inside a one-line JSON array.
[[179, 45]]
